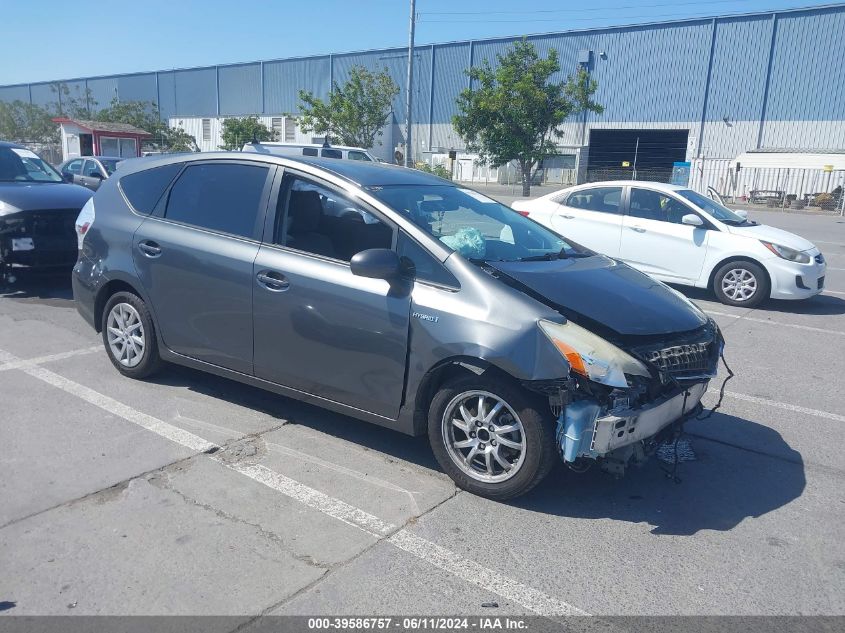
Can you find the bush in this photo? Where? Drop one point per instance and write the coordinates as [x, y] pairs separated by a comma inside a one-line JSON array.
[[437, 170]]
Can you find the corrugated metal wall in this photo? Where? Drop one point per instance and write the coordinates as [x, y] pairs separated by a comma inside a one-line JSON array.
[[770, 80], [240, 89]]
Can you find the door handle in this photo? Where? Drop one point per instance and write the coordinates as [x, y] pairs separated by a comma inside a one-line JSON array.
[[638, 229], [276, 282], [567, 217], [150, 249]]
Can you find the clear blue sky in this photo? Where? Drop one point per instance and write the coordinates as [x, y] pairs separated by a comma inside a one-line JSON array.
[[52, 39]]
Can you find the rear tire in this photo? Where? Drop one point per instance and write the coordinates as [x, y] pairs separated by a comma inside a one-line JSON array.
[[742, 284], [129, 336], [503, 452]]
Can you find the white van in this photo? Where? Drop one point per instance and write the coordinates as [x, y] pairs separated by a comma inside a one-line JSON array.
[[298, 149]]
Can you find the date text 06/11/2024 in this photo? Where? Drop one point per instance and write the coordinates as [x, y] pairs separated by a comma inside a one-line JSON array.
[[481, 623]]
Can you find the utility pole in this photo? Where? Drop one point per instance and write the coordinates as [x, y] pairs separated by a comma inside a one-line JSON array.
[[409, 92]]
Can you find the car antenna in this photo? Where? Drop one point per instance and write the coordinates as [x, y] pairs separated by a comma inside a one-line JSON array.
[[326, 141]]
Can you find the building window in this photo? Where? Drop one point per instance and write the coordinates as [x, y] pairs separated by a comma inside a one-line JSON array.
[[206, 129], [290, 129], [276, 126]]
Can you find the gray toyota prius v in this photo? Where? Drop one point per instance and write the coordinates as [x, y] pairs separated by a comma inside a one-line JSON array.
[[398, 298]]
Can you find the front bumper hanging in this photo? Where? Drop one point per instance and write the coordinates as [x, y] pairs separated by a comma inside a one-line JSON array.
[[617, 434]]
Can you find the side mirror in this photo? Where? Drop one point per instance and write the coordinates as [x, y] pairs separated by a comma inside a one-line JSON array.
[[67, 176], [692, 219], [376, 263], [741, 213]]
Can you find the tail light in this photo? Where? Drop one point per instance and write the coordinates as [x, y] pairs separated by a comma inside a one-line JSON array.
[[84, 222], [521, 212]]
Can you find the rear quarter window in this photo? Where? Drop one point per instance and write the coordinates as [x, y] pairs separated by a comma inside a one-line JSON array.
[[144, 189]]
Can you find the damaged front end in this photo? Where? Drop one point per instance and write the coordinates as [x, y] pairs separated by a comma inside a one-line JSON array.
[[36, 239], [615, 420]]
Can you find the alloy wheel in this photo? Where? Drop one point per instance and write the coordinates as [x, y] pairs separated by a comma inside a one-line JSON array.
[[484, 436], [125, 334], [739, 284]]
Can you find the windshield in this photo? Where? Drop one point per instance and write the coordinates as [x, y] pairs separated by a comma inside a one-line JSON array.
[[718, 211], [477, 227], [23, 165], [109, 164]]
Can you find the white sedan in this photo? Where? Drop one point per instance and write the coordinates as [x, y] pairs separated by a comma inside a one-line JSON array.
[[682, 237]]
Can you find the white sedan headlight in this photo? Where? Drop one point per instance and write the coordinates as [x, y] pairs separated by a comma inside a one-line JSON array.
[[789, 254], [592, 356]]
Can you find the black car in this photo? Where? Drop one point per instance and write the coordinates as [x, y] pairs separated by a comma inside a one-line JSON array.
[[38, 210]]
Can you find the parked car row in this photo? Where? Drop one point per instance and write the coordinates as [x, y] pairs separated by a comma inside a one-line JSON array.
[[408, 301]]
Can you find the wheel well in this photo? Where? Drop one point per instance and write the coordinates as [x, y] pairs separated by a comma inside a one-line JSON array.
[[104, 295], [441, 374], [738, 258]]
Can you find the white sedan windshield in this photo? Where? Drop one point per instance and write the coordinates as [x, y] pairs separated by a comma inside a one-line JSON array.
[[712, 207]]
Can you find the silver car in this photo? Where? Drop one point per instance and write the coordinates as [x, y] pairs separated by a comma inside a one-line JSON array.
[[89, 171], [397, 298]]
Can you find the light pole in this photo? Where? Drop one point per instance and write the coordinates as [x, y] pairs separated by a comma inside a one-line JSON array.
[[409, 86]]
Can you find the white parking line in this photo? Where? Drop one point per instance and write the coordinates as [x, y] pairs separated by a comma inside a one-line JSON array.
[[110, 405], [780, 405], [833, 292], [425, 550], [767, 322], [40, 360]]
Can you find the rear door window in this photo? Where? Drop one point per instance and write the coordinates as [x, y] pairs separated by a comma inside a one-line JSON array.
[[143, 189], [353, 155], [601, 199], [309, 151], [224, 197]]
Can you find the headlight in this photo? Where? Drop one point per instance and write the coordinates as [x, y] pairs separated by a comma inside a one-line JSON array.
[[787, 253], [7, 209], [592, 356]]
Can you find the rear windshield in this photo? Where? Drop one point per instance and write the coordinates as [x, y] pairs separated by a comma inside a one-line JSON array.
[[143, 189]]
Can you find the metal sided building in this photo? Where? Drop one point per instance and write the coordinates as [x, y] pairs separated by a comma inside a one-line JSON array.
[[701, 91]]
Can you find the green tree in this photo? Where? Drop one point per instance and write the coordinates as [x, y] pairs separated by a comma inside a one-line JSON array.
[[355, 113], [237, 131], [24, 122], [146, 116], [74, 104], [514, 111]]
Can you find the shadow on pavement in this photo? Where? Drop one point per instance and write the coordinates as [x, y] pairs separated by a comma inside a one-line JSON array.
[[821, 305], [370, 436], [723, 486], [719, 489]]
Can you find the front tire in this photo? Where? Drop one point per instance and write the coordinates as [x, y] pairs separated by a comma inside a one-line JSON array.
[[742, 284], [493, 438], [129, 336]]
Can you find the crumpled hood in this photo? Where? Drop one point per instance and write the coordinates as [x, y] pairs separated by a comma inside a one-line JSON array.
[[28, 196], [608, 292], [771, 234]]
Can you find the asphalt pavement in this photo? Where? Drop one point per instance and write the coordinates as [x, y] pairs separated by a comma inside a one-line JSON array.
[[188, 494]]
